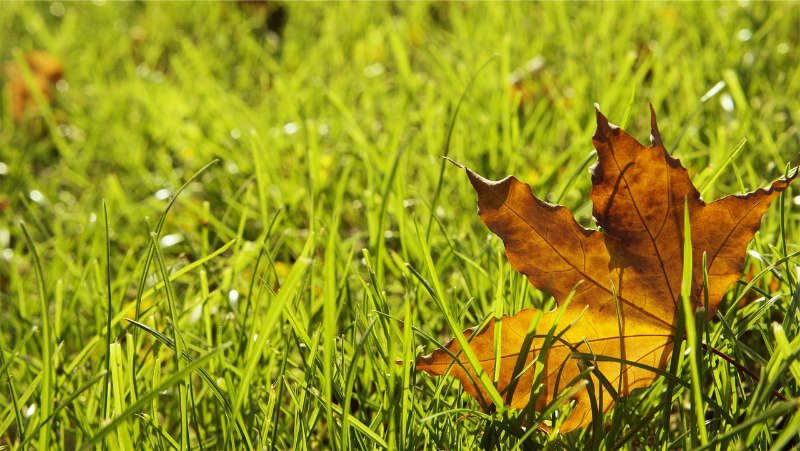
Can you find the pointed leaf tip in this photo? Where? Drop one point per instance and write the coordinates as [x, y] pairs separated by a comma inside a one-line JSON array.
[[602, 121], [457, 164], [655, 135]]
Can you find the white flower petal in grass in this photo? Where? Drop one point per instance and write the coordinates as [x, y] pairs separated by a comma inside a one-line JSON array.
[[8, 253], [36, 196], [30, 410], [3, 168], [290, 128], [233, 296]]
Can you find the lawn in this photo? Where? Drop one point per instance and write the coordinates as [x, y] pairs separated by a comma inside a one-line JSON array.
[[278, 165]]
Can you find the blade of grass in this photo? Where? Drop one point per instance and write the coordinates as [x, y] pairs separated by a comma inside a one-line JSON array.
[[438, 191], [329, 329], [745, 426], [731, 157], [159, 227], [46, 395], [204, 375], [498, 319], [158, 430], [62, 405], [439, 298], [109, 339], [145, 398], [173, 315], [288, 290], [118, 389], [22, 400], [711, 93], [692, 339]]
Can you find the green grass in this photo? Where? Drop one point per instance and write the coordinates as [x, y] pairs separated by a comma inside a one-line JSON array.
[[330, 240]]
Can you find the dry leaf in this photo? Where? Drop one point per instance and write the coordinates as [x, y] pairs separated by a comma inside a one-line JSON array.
[[46, 70], [638, 194]]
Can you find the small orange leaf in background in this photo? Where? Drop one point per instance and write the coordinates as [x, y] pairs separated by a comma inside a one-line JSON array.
[[46, 70], [638, 194]]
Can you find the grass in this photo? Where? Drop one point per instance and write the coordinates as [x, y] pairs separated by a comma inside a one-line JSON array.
[[329, 240]]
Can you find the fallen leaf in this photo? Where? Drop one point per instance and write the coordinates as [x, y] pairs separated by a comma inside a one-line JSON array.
[[638, 194], [46, 70]]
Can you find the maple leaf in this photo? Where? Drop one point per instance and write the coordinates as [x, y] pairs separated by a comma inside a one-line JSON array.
[[639, 194]]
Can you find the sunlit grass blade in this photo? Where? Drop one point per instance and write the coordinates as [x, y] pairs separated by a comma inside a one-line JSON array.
[[46, 395], [626, 116], [349, 382], [118, 390], [173, 314], [746, 425], [158, 430], [676, 380], [66, 402], [158, 228], [708, 95], [288, 291], [109, 310], [204, 375], [734, 153], [23, 398], [692, 338], [329, 330], [440, 300], [4, 373], [145, 398], [450, 129], [498, 320], [578, 171]]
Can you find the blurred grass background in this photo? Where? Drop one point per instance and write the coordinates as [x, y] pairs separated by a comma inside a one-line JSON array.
[[328, 120]]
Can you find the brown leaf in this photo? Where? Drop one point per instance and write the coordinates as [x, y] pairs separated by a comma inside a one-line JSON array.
[[638, 194], [46, 70]]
